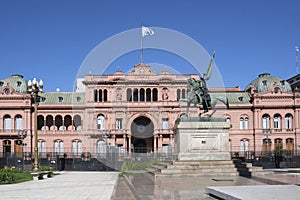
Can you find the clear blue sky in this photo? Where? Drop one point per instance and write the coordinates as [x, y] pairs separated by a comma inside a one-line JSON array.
[[51, 39]]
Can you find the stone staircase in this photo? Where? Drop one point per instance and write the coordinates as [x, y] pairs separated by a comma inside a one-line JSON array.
[[195, 168], [248, 170]]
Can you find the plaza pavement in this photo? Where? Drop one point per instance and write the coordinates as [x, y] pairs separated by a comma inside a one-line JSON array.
[[66, 186], [107, 185]]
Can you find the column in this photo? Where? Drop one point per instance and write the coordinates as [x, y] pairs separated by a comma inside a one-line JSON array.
[[154, 143], [124, 141], [129, 144]]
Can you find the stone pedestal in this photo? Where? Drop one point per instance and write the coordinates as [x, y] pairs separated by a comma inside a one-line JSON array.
[[199, 139]]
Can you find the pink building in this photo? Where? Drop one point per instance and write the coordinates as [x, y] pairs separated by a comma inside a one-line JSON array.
[[137, 111]]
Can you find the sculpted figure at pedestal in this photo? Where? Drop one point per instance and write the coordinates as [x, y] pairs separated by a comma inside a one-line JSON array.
[[198, 93]]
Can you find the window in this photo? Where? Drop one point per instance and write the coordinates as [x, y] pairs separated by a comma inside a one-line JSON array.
[[277, 119], [78, 99], [246, 124], [129, 94], [7, 123], [183, 93], [264, 82], [101, 148], [76, 147], [165, 123], [244, 146], [265, 122], [100, 95], [289, 144], [58, 147], [135, 94], [142, 94], [118, 123], [148, 94], [105, 95], [95, 95], [178, 94], [288, 122], [19, 122], [100, 122], [41, 146], [241, 123], [276, 90], [60, 99], [155, 94]]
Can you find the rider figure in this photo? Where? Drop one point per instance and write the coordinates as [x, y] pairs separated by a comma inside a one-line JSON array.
[[203, 92]]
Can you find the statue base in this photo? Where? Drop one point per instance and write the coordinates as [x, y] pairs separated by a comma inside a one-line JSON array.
[[199, 138]]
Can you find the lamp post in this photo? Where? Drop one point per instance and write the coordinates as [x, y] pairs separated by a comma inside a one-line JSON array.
[[22, 134], [267, 132], [33, 89]]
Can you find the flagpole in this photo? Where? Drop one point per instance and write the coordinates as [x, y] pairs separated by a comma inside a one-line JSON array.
[[297, 67], [141, 44]]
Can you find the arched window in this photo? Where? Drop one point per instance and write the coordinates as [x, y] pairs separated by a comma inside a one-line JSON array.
[[244, 146], [41, 123], [100, 95], [154, 93], [100, 122], [18, 122], [148, 94], [135, 94], [95, 95], [77, 123], [266, 121], [242, 123], [288, 122], [76, 147], [41, 146], [58, 147], [178, 94], [183, 93], [142, 94], [7, 123], [49, 122], [101, 148], [105, 95], [68, 122], [129, 94], [267, 143], [277, 119], [246, 124], [59, 123]]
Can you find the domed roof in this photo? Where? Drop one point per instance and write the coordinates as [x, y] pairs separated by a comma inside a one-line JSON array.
[[265, 82], [16, 81]]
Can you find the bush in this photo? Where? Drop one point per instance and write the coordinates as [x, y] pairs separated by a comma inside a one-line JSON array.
[[45, 168], [10, 175]]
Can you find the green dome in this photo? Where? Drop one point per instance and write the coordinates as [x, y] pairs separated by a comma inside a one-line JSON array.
[[265, 81], [16, 81]]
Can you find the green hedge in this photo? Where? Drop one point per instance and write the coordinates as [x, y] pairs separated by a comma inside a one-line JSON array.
[[127, 165], [10, 175]]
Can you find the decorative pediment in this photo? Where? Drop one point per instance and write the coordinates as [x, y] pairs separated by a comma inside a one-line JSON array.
[[141, 69]]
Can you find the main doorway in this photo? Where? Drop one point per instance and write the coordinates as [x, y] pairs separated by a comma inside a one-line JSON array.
[[142, 130]]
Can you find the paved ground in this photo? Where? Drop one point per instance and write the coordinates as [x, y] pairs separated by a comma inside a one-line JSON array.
[[68, 185], [107, 185]]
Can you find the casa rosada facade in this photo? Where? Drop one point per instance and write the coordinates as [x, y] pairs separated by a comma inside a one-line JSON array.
[[136, 112]]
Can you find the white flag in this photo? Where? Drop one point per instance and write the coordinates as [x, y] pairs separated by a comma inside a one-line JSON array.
[[147, 31], [297, 49]]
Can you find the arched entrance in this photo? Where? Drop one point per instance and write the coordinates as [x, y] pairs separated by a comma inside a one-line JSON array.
[[142, 130]]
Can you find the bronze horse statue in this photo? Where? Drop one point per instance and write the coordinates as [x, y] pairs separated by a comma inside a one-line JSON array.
[[198, 93], [197, 97]]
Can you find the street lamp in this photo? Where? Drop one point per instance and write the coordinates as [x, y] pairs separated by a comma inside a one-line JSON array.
[[22, 134], [267, 132], [33, 89]]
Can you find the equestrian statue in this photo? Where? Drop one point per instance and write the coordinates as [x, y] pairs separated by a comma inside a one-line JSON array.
[[198, 93]]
